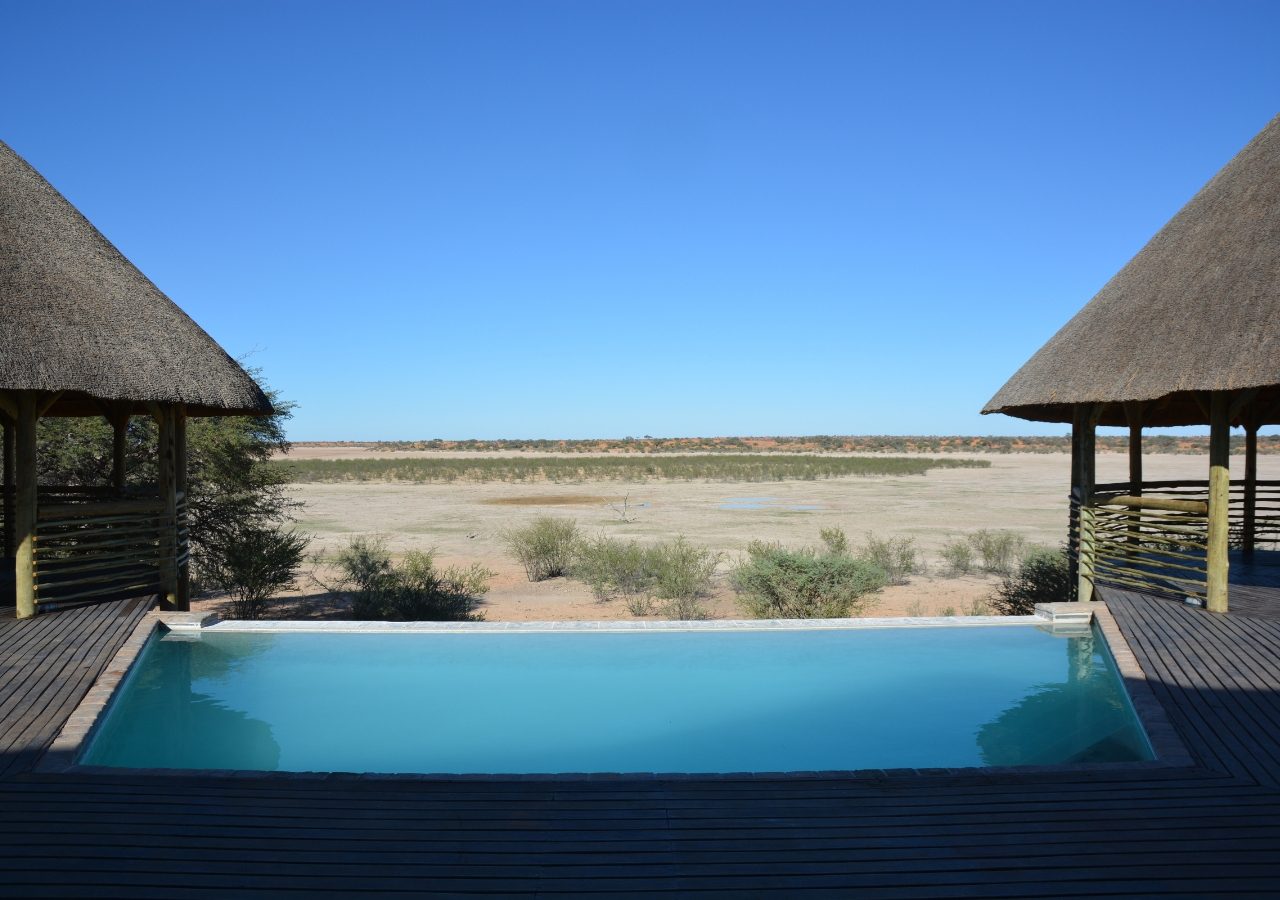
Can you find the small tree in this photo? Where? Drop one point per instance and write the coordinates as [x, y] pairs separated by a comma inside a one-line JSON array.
[[259, 563]]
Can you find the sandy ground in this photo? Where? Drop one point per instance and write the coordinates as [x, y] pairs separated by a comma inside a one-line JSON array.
[[462, 522]]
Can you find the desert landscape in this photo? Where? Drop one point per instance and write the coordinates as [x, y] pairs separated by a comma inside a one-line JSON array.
[[463, 521]]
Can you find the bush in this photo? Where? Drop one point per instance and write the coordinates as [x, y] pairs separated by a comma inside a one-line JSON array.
[[416, 591], [777, 583], [545, 547], [1043, 577], [256, 563], [897, 558], [673, 570], [835, 540], [1000, 550], [685, 609], [958, 558], [682, 571], [612, 568]]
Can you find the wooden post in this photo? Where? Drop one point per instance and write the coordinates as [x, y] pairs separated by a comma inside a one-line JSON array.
[[1250, 485], [1083, 466], [119, 433], [10, 434], [168, 549], [1133, 412], [183, 598], [1218, 563], [24, 505]]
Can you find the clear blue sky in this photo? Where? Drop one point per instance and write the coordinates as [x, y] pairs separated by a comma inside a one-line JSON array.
[[582, 219]]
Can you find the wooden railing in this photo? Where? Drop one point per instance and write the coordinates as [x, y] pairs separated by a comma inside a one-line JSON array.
[[96, 544], [1157, 541]]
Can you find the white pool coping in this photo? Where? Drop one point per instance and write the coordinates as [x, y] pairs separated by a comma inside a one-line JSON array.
[[241, 626]]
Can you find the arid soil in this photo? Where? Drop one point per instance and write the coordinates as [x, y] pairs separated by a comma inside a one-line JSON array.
[[1022, 492]]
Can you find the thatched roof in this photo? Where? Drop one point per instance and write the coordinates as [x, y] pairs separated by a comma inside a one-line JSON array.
[[80, 318], [1198, 309]]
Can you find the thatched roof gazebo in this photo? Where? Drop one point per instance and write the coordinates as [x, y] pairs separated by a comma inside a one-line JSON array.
[[84, 333], [1187, 333]]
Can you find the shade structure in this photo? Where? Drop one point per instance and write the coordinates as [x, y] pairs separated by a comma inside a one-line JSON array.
[[84, 333], [81, 321], [1196, 310]]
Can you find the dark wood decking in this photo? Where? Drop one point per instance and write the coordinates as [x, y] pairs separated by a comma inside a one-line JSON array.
[[1207, 830]]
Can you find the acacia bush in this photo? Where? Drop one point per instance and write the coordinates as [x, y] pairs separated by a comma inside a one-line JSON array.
[[676, 571], [896, 557], [1000, 551], [613, 568], [546, 547], [1044, 576], [415, 591], [775, 582], [957, 558], [258, 563]]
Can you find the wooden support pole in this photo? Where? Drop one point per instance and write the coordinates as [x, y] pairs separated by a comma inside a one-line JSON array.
[[183, 599], [24, 504], [1218, 563], [1250, 485], [10, 435], [1084, 424], [1133, 412], [119, 435], [169, 498]]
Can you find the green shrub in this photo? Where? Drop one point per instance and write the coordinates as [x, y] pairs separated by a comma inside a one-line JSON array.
[[958, 558], [545, 547], [255, 563], [640, 605], [999, 550], [684, 609], [676, 571], [613, 568], [1043, 577], [979, 607], [681, 570], [835, 540], [776, 583], [897, 558], [415, 591]]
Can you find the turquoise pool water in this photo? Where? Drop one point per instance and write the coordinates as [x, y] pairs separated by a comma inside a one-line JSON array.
[[695, 701]]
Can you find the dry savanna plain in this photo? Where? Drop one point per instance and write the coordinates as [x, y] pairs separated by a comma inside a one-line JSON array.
[[462, 522]]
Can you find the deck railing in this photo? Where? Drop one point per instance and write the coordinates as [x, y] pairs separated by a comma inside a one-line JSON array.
[[95, 544], [1157, 540]]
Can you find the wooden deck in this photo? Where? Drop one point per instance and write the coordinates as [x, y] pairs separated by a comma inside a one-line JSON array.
[[1212, 829]]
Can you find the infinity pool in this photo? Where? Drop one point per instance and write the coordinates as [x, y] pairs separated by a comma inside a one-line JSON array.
[[675, 701]]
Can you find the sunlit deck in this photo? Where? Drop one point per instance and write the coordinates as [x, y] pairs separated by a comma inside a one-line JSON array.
[[1209, 829]]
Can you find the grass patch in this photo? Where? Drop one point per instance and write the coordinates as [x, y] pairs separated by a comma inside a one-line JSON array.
[[740, 467]]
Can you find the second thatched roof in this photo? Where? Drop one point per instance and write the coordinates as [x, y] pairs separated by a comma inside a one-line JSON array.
[[1198, 309], [79, 318]]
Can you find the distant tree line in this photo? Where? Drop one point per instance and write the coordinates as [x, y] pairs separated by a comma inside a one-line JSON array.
[[825, 443]]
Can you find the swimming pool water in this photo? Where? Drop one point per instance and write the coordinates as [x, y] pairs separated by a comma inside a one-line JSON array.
[[698, 701]]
